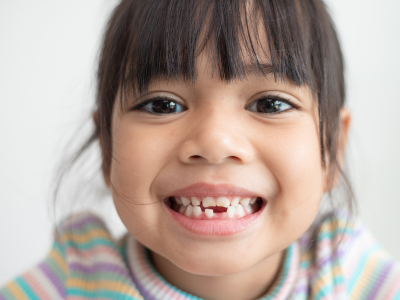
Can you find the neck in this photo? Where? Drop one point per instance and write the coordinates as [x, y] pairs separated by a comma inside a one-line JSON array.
[[248, 284]]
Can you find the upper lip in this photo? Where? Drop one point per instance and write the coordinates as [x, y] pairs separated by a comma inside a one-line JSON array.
[[213, 190]]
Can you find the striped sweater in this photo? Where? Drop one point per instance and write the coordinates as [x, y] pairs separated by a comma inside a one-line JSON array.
[[87, 263]]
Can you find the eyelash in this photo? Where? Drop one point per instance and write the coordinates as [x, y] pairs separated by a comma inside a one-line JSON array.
[[140, 106], [273, 98]]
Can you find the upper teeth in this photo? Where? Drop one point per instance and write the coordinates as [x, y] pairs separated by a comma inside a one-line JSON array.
[[220, 201], [208, 201]]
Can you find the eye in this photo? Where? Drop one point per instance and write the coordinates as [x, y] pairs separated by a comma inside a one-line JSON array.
[[160, 106], [270, 105]]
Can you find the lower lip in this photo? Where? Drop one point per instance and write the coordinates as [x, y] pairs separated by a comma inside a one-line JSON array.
[[215, 227]]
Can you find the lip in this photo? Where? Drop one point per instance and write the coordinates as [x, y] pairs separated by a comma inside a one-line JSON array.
[[214, 227], [213, 190]]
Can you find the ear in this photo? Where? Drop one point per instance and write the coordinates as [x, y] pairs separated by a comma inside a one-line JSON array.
[[105, 162], [345, 121], [344, 126]]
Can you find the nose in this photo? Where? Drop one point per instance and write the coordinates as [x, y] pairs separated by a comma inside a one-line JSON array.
[[216, 139]]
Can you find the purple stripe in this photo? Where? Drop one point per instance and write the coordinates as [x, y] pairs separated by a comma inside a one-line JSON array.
[[143, 291], [380, 280], [53, 278], [2, 297], [81, 223], [302, 289], [99, 267]]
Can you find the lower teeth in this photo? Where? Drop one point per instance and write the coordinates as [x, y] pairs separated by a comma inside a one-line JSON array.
[[198, 212]]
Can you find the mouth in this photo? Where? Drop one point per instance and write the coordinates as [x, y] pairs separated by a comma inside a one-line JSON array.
[[215, 208]]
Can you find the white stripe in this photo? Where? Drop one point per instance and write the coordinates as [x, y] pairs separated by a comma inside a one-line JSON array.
[[390, 280], [46, 283], [94, 259]]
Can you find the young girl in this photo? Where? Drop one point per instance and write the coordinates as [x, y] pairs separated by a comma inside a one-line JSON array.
[[221, 125]]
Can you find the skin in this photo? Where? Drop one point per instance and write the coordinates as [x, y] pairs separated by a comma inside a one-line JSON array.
[[218, 140]]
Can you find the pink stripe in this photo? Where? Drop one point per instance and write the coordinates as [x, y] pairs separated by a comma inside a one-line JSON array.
[[394, 290], [35, 285], [379, 281], [143, 264], [77, 222], [155, 280], [53, 278], [291, 276], [100, 249]]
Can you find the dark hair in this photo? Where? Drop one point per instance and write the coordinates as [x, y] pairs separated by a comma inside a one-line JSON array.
[[153, 39]]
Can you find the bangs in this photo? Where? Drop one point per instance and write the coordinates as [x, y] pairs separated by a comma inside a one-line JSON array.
[[163, 39]]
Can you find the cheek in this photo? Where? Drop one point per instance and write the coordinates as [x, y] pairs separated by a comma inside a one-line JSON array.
[[138, 156], [295, 162]]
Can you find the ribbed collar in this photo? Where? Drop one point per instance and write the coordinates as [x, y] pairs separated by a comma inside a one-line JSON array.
[[153, 286]]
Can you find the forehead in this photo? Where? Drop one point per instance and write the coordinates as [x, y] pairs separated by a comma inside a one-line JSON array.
[[239, 38]]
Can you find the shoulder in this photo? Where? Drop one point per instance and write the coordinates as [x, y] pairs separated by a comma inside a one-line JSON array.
[[85, 261], [346, 260]]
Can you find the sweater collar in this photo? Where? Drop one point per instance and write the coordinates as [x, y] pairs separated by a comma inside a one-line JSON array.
[[153, 286]]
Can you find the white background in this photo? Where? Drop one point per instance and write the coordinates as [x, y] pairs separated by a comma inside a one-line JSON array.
[[47, 61]]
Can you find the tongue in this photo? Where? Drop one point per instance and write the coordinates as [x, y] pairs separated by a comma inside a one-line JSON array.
[[216, 209]]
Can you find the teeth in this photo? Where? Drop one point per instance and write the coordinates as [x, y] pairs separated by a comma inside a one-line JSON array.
[[235, 201], [197, 211], [189, 210], [223, 201], [185, 201], [236, 206], [245, 201], [240, 211], [231, 211], [208, 201], [209, 213], [195, 201]]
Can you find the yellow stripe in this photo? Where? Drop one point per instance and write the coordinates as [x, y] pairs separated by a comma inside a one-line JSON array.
[[114, 286], [16, 290], [327, 279], [59, 259], [364, 280], [335, 225], [92, 234]]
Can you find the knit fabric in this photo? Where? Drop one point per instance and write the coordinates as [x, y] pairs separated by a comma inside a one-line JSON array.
[[336, 259]]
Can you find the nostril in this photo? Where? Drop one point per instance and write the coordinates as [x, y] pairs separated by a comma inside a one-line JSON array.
[[234, 158], [195, 156]]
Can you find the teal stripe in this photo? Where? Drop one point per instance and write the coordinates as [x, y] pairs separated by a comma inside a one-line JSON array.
[[60, 248], [27, 289], [96, 241], [330, 287], [360, 268], [154, 271], [397, 296], [99, 294], [330, 235], [56, 268], [375, 276]]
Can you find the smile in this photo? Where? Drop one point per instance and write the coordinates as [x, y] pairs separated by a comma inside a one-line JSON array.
[[215, 208]]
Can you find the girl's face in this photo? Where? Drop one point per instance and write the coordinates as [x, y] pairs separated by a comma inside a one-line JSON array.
[[252, 138]]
